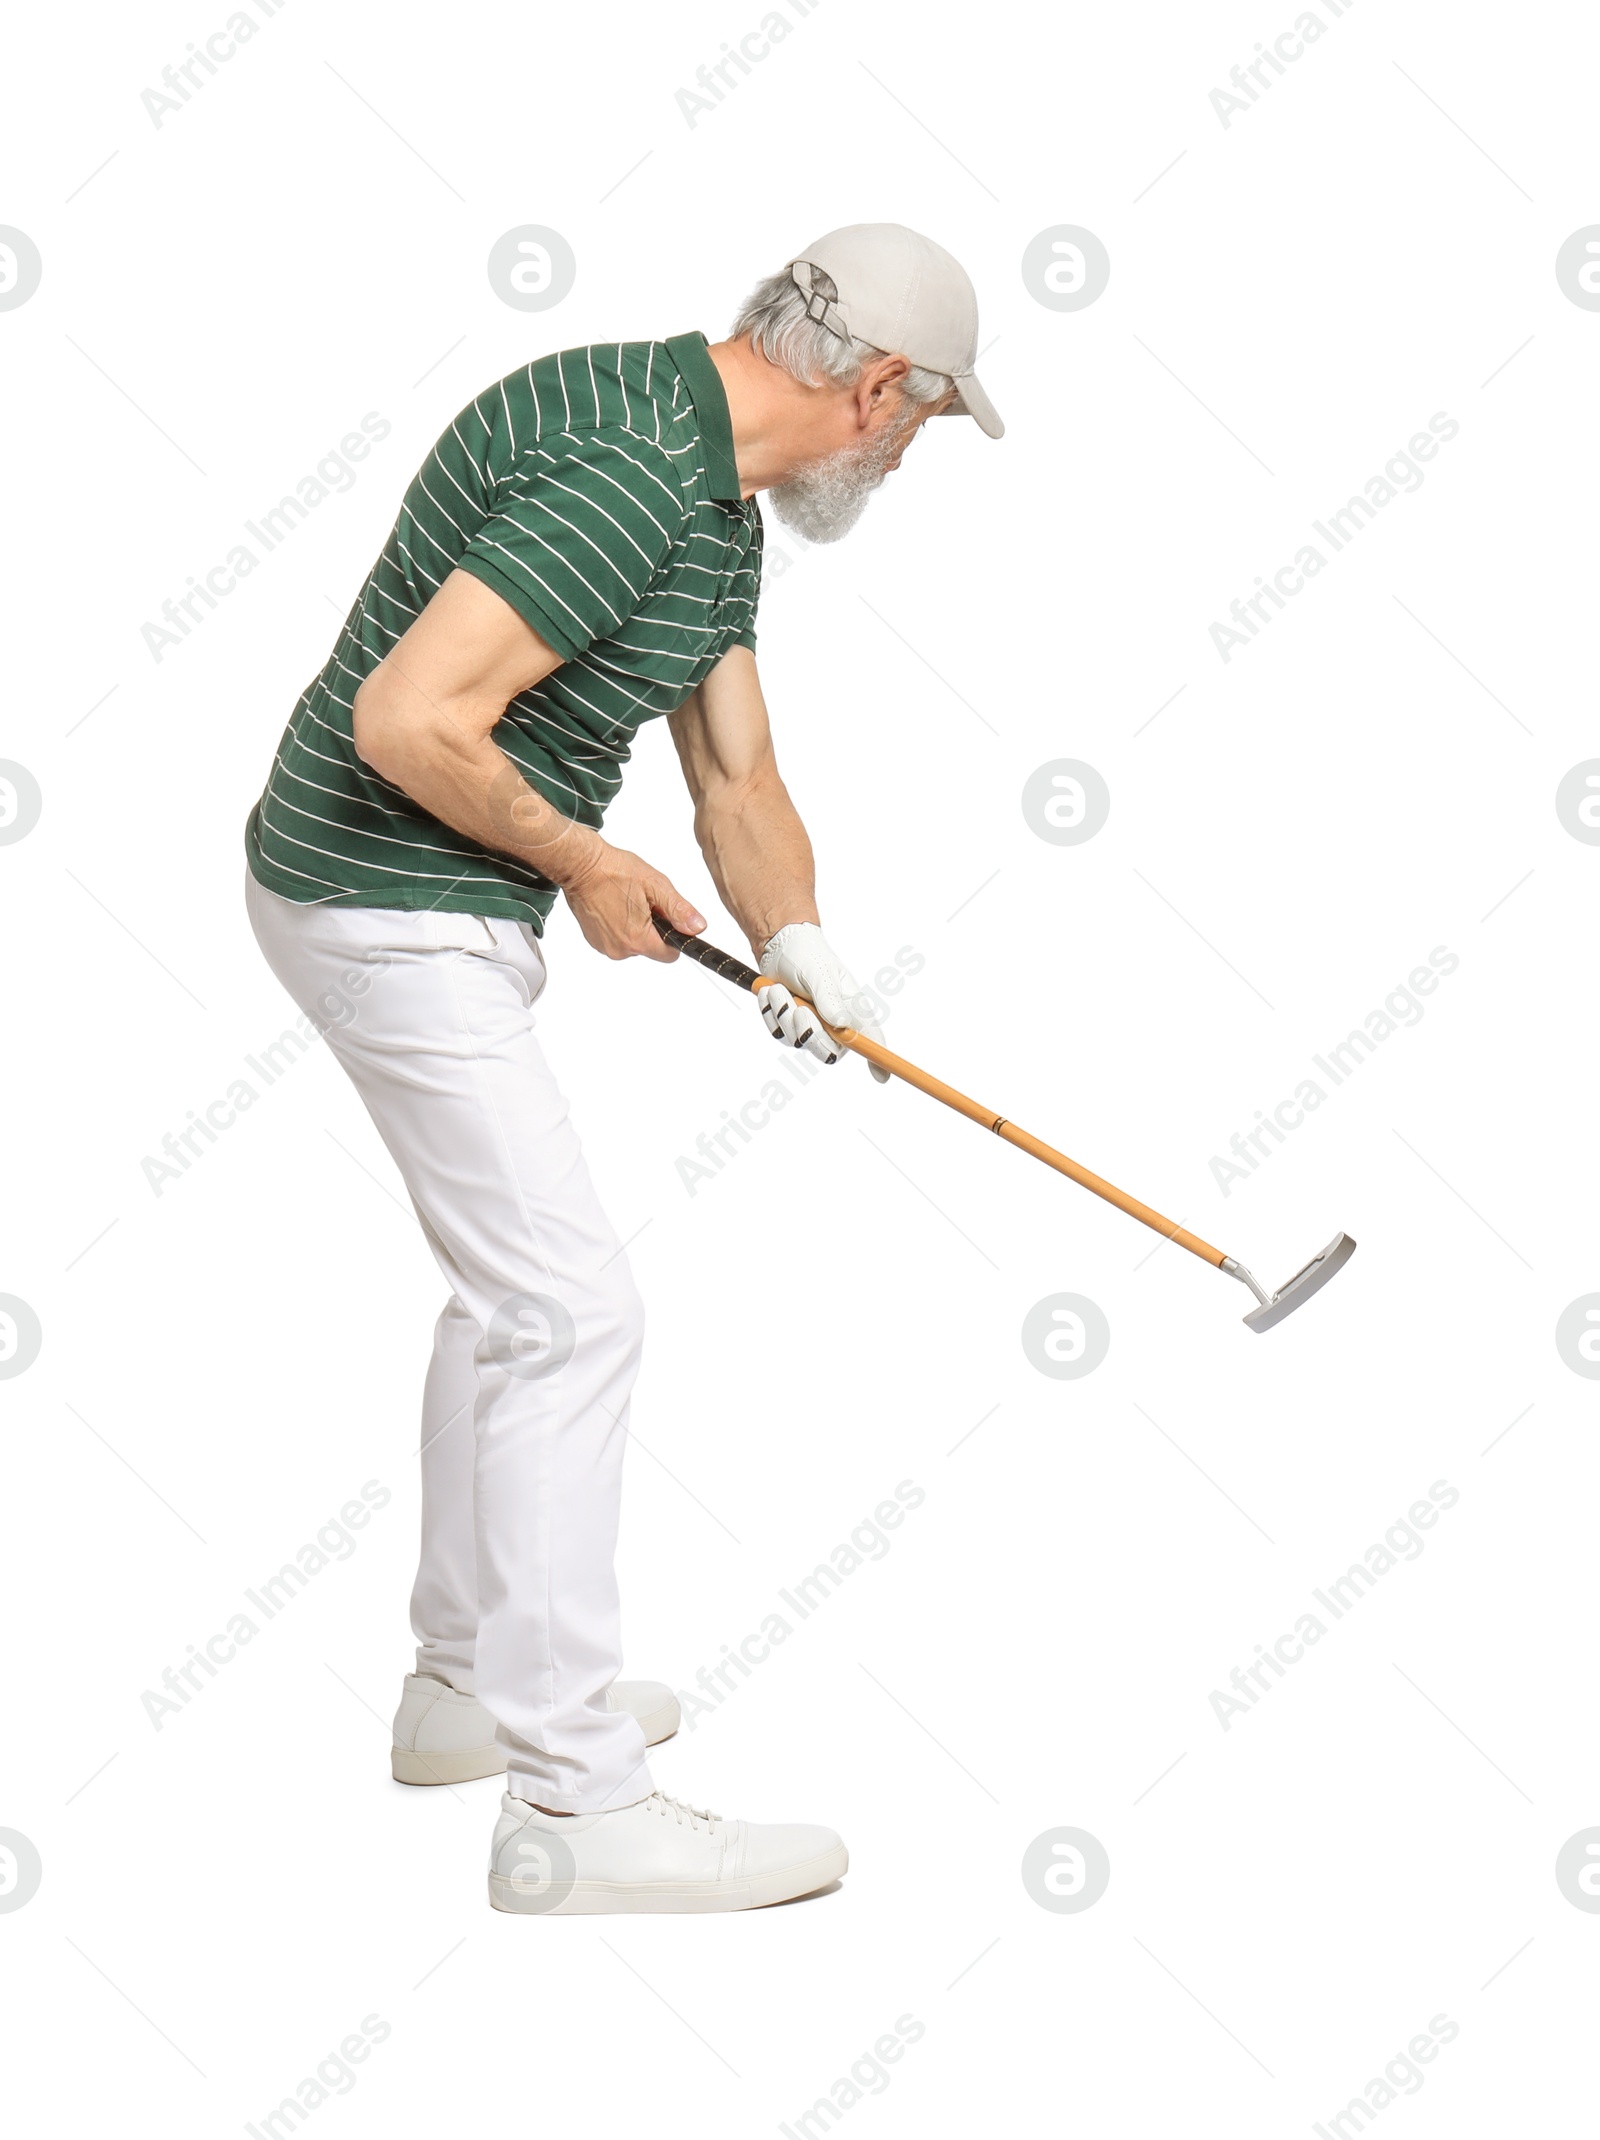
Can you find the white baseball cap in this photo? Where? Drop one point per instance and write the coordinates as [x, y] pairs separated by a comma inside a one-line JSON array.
[[905, 295]]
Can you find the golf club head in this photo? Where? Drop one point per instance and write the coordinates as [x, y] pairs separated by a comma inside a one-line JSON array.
[[1304, 1283]]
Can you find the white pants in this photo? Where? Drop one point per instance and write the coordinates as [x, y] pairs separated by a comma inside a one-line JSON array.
[[525, 1409]]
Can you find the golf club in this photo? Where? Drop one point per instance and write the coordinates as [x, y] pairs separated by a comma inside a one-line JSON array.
[[1271, 1308]]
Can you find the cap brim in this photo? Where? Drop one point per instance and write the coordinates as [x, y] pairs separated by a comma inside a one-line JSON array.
[[972, 401]]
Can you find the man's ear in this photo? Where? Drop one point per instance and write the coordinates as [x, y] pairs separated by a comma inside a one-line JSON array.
[[877, 385]]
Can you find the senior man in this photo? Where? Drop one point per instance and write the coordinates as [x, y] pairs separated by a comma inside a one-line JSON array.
[[579, 553]]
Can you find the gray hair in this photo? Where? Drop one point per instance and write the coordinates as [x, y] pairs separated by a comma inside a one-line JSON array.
[[774, 316]]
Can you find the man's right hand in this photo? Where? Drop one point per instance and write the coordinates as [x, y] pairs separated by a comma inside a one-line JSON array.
[[614, 895]]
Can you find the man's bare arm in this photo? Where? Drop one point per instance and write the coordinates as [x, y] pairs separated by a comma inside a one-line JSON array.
[[423, 720], [749, 831]]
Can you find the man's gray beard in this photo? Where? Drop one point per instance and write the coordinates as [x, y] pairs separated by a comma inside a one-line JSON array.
[[825, 500]]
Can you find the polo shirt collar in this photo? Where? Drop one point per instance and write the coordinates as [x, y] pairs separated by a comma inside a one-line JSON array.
[[689, 352]]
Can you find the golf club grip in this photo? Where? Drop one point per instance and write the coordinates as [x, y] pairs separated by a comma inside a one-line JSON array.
[[743, 976], [707, 955]]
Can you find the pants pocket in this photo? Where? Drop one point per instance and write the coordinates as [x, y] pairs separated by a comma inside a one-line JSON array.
[[513, 944]]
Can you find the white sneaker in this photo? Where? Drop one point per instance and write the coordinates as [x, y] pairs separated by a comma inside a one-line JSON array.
[[444, 1737], [658, 1855]]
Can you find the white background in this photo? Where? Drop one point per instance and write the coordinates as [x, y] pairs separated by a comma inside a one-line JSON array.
[[1373, 1844]]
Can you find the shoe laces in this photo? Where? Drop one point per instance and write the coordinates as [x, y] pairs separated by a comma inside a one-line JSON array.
[[692, 1816]]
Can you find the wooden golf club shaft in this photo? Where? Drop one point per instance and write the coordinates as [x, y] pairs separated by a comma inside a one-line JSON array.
[[734, 970]]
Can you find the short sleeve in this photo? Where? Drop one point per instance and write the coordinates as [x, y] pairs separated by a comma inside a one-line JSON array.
[[754, 559], [578, 534]]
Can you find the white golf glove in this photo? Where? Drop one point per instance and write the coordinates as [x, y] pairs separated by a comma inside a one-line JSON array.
[[801, 958]]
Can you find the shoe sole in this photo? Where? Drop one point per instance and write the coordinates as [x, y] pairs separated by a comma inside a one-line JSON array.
[[467, 1764], [603, 1898], [463, 1767]]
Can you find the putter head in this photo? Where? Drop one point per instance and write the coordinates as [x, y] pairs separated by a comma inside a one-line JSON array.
[[1299, 1289]]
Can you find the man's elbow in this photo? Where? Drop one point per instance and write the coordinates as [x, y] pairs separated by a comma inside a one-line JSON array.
[[379, 731]]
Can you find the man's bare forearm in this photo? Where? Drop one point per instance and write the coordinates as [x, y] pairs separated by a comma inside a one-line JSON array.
[[759, 855], [424, 721], [467, 782]]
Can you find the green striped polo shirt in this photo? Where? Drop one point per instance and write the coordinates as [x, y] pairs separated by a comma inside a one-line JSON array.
[[595, 491]]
